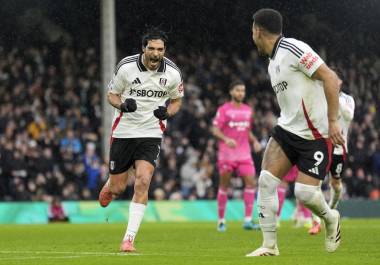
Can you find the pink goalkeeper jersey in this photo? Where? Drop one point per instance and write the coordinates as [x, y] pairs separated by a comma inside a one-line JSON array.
[[236, 123]]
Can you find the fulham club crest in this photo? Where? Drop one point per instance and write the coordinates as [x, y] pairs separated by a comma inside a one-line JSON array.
[[163, 81]]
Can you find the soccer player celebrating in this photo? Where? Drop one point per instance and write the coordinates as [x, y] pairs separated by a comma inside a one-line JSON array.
[[346, 114], [232, 126], [139, 89], [307, 93]]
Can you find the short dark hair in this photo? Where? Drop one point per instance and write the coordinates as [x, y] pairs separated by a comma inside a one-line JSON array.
[[154, 34], [235, 83], [269, 19]]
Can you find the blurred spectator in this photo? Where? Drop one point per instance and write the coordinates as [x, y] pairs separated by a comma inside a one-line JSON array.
[[203, 177], [71, 142], [56, 213], [376, 161], [92, 164]]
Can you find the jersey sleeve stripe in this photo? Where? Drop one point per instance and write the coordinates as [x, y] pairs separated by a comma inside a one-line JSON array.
[[124, 61], [134, 57], [292, 48], [293, 45], [170, 61], [174, 67], [171, 64], [292, 51]]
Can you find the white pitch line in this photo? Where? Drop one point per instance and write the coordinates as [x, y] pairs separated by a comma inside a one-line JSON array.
[[69, 252], [94, 254], [57, 252], [41, 257]]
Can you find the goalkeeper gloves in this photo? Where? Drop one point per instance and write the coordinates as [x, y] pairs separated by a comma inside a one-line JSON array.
[[161, 113], [129, 105]]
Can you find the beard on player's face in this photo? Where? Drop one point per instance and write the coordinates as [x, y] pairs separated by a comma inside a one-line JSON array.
[[238, 99], [260, 51], [259, 47]]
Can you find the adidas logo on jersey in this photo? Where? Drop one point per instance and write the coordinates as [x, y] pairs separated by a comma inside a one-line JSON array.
[[136, 81], [314, 170]]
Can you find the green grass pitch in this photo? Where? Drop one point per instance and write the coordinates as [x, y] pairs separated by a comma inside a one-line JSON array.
[[182, 243]]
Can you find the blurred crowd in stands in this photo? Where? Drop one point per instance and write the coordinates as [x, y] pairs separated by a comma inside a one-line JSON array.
[[50, 124]]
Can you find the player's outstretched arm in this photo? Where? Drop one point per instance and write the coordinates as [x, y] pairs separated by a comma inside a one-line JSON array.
[[331, 84]]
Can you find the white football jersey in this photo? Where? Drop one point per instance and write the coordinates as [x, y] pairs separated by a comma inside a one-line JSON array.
[[302, 100], [150, 89], [346, 114]]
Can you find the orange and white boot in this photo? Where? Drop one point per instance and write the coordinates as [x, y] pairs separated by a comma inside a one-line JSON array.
[[105, 195], [127, 245], [315, 229]]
